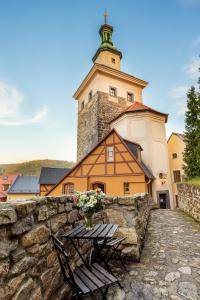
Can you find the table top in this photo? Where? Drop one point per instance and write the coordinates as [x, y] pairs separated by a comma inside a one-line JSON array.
[[99, 231]]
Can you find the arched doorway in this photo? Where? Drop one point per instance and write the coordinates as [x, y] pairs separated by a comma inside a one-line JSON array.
[[100, 185]]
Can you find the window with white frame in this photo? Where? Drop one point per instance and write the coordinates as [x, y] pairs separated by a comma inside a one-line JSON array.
[[113, 91], [110, 153], [130, 97], [126, 187], [69, 188]]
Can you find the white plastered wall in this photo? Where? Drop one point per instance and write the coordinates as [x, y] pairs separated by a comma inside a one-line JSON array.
[[149, 131]]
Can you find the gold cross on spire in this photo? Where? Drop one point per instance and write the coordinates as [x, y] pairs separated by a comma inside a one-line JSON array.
[[105, 16]]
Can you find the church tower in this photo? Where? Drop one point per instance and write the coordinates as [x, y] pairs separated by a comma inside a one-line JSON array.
[[105, 92]]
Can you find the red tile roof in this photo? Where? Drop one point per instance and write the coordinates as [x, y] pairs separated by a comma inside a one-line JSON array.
[[6, 179], [139, 107]]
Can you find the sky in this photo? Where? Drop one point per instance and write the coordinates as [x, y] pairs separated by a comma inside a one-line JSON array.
[[46, 49]]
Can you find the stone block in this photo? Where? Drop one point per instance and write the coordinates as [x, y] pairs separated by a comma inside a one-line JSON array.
[[17, 254], [38, 268], [4, 268], [8, 214], [24, 290], [24, 208], [72, 217], [130, 234], [36, 294], [58, 221], [11, 287], [116, 217], [21, 266], [38, 235], [22, 225], [51, 258], [7, 245], [39, 250]]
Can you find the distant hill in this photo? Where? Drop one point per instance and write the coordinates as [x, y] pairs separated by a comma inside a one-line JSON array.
[[33, 167]]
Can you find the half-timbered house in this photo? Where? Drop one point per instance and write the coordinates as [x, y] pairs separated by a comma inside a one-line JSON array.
[[114, 165]]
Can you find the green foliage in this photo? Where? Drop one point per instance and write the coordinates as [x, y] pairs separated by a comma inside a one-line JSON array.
[[192, 134], [194, 181], [33, 167]]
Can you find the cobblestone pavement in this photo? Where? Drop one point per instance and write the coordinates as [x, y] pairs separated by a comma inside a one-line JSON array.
[[170, 262]]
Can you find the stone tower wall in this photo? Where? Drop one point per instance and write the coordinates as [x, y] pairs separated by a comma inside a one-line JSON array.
[[93, 121]]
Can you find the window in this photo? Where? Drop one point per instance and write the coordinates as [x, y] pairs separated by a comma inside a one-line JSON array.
[[130, 97], [82, 105], [90, 95], [110, 153], [113, 92], [6, 187], [126, 187], [5, 177], [177, 176], [69, 188], [99, 185], [113, 60], [174, 155]]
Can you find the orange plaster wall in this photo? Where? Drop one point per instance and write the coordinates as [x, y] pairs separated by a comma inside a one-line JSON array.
[[115, 185]]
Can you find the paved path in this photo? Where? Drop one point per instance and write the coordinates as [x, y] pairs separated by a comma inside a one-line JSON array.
[[170, 262]]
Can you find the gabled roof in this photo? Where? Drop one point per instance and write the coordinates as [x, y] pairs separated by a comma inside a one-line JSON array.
[[25, 185], [179, 135], [103, 69], [52, 175], [133, 147], [124, 142], [140, 107]]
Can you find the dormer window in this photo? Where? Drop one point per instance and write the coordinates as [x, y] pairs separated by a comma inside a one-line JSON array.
[[110, 153], [90, 95], [113, 91], [113, 60], [130, 97]]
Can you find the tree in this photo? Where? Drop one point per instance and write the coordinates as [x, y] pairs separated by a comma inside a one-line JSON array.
[[192, 134]]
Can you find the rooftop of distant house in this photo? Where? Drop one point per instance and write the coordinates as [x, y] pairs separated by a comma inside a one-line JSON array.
[[25, 185], [179, 135], [52, 175], [6, 181]]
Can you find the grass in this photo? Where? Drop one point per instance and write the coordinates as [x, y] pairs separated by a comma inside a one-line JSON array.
[[194, 181]]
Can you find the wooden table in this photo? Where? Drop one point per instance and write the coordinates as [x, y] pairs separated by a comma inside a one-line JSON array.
[[99, 232]]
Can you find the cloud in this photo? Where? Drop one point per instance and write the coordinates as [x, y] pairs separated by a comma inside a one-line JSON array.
[[192, 69], [179, 91], [39, 117], [196, 42], [11, 100], [179, 94]]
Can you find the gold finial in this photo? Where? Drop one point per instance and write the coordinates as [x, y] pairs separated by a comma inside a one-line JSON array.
[[105, 16]]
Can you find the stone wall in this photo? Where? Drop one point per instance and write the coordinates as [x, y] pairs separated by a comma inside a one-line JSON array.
[[189, 199], [132, 214], [28, 263], [93, 121]]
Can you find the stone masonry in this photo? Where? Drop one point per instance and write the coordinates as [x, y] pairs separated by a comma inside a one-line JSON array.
[[29, 267], [189, 199], [169, 268], [93, 121]]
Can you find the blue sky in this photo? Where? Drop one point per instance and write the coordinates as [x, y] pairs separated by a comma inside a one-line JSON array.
[[46, 50]]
